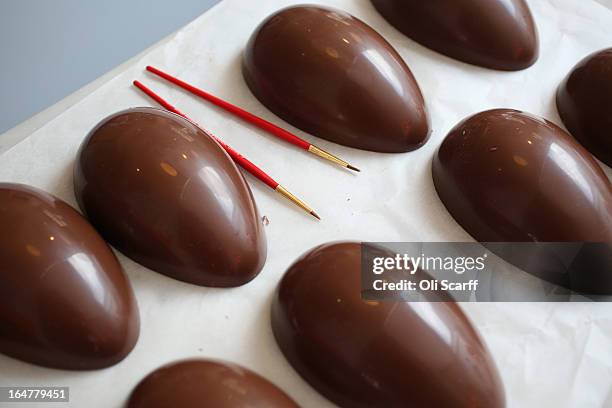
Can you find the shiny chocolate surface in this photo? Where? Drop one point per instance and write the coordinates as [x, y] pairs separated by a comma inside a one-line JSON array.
[[64, 299], [584, 100], [198, 383], [497, 34], [377, 354], [331, 75], [164, 193], [506, 175]]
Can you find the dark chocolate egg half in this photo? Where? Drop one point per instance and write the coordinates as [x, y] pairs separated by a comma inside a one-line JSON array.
[[64, 299], [377, 354], [584, 100], [198, 383], [508, 176], [333, 76], [497, 34], [164, 193]]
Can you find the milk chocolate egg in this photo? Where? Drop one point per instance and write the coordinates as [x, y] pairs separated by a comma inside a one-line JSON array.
[[377, 354], [198, 383], [584, 100], [164, 193], [64, 300], [507, 176], [497, 34], [333, 76]]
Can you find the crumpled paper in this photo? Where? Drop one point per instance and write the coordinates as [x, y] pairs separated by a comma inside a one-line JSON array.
[[549, 355]]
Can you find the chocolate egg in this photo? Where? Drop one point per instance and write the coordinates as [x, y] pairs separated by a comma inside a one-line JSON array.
[[333, 76], [377, 354], [507, 176], [584, 100], [497, 34], [64, 300], [167, 195], [200, 383]]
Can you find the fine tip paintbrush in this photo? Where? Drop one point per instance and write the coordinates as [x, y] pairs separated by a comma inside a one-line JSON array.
[[253, 119], [237, 157]]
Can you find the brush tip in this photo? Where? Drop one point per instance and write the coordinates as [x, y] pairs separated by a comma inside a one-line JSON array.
[[314, 214], [348, 166]]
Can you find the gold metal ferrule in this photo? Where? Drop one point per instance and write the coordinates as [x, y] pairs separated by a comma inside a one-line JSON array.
[[289, 196], [328, 156]]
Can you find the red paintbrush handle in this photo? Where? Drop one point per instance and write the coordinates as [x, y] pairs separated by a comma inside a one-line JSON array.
[[159, 99], [248, 165], [249, 117], [237, 157]]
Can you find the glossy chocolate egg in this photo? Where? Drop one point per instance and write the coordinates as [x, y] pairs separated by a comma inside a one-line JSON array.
[[167, 195], [497, 34], [507, 176], [333, 76], [64, 299], [377, 354], [584, 100], [201, 383]]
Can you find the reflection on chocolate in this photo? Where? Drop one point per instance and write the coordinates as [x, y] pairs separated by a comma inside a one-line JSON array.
[[168, 196], [333, 76], [64, 300], [497, 34], [507, 176], [377, 354], [584, 100], [201, 383]]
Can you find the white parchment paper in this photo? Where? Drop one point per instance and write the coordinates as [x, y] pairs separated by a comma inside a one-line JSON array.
[[549, 355]]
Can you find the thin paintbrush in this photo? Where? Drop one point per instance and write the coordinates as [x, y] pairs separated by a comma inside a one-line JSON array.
[[237, 157], [253, 119]]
